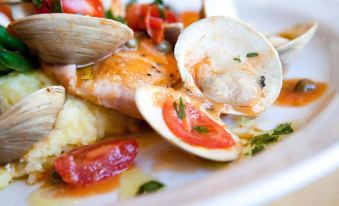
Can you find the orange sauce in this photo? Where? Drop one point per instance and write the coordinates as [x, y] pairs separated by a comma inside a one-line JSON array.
[[129, 67], [63, 190], [101, 187], [189, 17], [147, 64], [289, 97]]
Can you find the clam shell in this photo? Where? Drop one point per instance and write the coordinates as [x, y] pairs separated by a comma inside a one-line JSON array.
[[219, 8], [70, 39], [28, 121], [146, 99], [172, 32], [302, 33], [222, 40]]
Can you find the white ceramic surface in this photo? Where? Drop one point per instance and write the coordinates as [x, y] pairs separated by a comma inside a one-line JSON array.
[[311, 152]]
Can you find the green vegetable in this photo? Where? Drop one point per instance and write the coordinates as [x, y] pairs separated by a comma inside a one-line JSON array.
[[132, 2], [109, 15], [158, 2], [305, 85], [133, 44], [55, 178], [253, 54], [37, 3], [164, 47], [181, 110], [3, 68], [260, 142], [10, 42], [161, 9], [56, 7], [283, 129], [15, 61], [151, 186], [201, 129], [237, 59]]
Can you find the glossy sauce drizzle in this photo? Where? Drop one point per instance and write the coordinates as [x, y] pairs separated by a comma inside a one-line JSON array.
[[292, 98]]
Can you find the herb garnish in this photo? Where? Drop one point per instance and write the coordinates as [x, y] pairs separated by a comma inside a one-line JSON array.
[[260, 142], [237, 59], [161, 8], [37, 3], [252, 54], [201, 129], [181, 110], [151, 186], [158, 2], [131, 2], [109, 15]]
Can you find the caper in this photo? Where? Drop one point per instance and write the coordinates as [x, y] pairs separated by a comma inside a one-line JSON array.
[[133, 44], [305, 85], [164, 47]]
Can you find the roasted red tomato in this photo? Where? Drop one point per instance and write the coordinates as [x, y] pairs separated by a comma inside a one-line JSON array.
[[83, 7], [149, 17], [194, 127], [93, 163]]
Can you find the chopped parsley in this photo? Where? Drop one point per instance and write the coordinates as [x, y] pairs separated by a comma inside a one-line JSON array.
[[181, 110], [252, 54], [151, 186], [260, 142], [237, 59], [201, 129]]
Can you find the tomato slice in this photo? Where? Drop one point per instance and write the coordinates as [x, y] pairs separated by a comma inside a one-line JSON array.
[[92, 163], [195, 128], [149, 17], [83, 7]]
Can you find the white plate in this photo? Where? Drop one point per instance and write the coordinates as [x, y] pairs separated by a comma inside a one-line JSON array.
[[311, 152]]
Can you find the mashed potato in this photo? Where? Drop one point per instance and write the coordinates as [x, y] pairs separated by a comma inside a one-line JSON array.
[[78, 123]]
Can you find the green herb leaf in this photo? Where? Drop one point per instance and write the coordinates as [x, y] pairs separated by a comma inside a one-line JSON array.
[[159, 2], [37, 3], [132, 2], [161, 9], [237, 59], [252, 54], [151, 186], [181, 110], [201, 129], [109, 15], [283, 129], [260, 142], [56, 7]]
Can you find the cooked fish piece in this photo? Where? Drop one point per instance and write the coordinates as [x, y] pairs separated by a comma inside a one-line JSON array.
[[113, 81]]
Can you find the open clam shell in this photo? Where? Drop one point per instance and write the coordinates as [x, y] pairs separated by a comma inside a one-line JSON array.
[[230, 63], [150, 100], [28, 121], [70, 39], [291, 41], [219, 8]]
